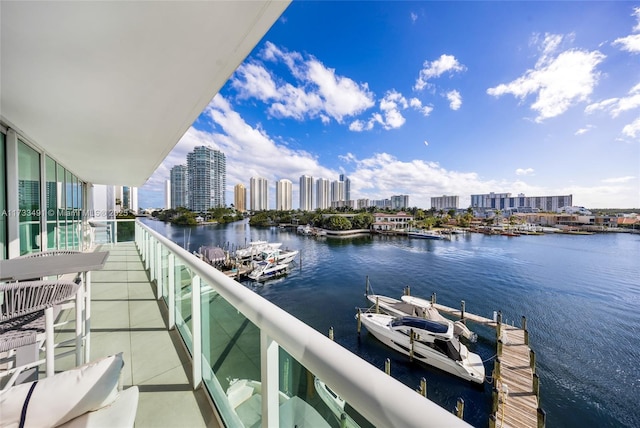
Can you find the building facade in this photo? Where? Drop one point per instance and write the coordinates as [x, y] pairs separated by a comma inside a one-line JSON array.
[[306, 193], [400, 202], [337, 191], [207, 179], [347, 187], [445, 202], [179, 187], [284, 195], [323, 193], [259, 193], [240, 197], [504, 201]]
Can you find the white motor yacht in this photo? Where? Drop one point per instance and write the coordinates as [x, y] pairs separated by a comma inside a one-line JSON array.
[[433, 343]]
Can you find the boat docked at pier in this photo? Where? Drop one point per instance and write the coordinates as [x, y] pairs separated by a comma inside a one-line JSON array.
[[425, 234], [430, 342], [255, 248], [417, 307], [264, 270]]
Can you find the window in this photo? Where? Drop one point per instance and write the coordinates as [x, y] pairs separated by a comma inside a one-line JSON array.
[[3, 200], [29, 198]]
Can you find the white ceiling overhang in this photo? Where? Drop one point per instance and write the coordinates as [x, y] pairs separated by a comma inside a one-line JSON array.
[[108, 88]]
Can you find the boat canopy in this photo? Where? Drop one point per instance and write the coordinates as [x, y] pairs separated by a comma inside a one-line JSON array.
[[420, 323], [213, 254]]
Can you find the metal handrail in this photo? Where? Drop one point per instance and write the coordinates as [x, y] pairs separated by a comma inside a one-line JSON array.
[[381, 399]]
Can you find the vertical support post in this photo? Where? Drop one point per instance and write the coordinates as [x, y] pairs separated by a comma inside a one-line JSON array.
[[359, 322], [48, 332], [387, 366], [536, 385], [499, 352], [460, 408], [411, 342], [87, 317], [532, 360], [526, 337], [270, 379], [408, 291], [196, 331], [542, 418], [496, 369], [79, 325], [377, 306], [343, 420], [433, 298], [423, 387], [524, 323], [366, 286], [494, 402], [492, 421], [171, 268], [462, 304], [331, 333], [158, 265], [147, 239]]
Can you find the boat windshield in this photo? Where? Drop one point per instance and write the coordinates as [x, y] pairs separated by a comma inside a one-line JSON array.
[[451, 348], [420, 323]]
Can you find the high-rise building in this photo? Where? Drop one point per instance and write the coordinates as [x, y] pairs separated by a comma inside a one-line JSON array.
[[347, 187], [240, 197], [179, 187], [504, 201], [306, 193], [323, 193], [284, 195], [445, 202], [259, 193], [207, 175], [337, 191], [399, 202]]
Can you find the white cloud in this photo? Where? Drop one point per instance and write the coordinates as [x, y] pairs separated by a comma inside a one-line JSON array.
[[584, 130], [417, 104], [524, 171], [434, 69], [455, 99], [619, 179], [414, 17], [632, 130], [315, 91], [558, 81], [631, 43], [615, 106], [390, 115]]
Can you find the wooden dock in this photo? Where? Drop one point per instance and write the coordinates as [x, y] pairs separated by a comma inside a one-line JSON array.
[[516, 386]]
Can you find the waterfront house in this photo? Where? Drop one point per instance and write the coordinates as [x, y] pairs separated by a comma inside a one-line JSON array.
[[390, 223]]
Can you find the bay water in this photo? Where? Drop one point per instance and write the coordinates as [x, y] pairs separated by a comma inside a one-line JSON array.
[[580, 294]]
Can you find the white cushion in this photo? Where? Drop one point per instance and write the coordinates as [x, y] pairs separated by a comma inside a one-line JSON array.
[[121, 413], [64, 396]]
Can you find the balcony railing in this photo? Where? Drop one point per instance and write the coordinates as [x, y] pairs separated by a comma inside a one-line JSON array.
[[247, 350]]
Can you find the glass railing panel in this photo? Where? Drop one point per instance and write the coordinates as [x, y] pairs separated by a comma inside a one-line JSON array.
[[183, 284], [231, 360], [306, 399], [164, 268], [125, 230]]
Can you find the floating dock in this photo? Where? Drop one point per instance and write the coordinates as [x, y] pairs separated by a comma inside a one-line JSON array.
[[516, 386]]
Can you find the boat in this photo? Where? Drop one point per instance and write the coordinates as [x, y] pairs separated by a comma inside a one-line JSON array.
[[424, 234], [278, 255], [430, 342], [305, 230], [255, 248], [245, 398], [417, 307], [265, 269], [335, 403]]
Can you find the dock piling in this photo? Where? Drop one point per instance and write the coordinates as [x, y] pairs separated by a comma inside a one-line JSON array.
[[462, 304], [331, 333], [423, 387], [359, 322], [499, 353], [460, 408], [532, 360], [387, 366], [542, 418], [536, 385], [433, 299], [411, 341], [343, 420]]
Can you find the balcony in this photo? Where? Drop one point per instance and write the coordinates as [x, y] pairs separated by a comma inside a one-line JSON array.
[[194, 340]]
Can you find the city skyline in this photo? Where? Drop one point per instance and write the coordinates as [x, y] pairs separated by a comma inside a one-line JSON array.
[[543, 99]]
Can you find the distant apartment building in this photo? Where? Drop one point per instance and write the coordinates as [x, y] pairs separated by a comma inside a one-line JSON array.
[[381, 203], [521, 203], [347, 187], [179, 187], [362, 203], [323, 193], [337, 191], [445, 202], [207, 176], [259, 193], [400, 202], [240, 197], [167, 194], [284, 196], [306, 193], [126, 199]]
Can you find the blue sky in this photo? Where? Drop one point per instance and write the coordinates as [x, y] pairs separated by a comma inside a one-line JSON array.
[[435, 98]]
